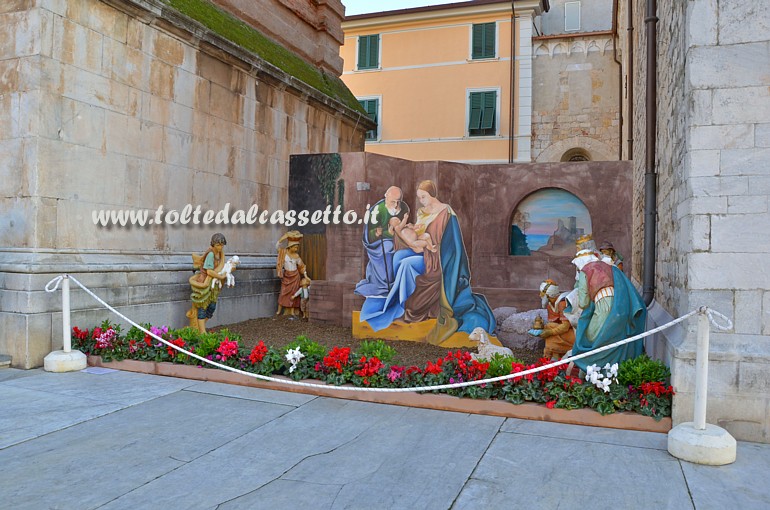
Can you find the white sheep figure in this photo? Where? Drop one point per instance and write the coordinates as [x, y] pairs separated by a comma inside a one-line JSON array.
[[227, 271], [486, 348]]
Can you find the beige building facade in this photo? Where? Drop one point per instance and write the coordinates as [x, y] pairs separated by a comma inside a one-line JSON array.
[[557, 99], [441, 83]]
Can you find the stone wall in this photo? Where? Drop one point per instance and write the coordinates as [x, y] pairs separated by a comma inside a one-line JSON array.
[[576, 103], [713, 189], [127, 105]]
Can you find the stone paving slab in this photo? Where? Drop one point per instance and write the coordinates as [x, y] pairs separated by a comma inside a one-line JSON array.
[[745, 484], [421, 460], [100, 460], [265, 454], [258, 394], [183, 444], [26, 414], [125, 388], [525, 471], [619, 437]]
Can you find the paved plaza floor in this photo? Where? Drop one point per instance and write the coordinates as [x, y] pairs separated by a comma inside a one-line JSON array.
[[124, 440]]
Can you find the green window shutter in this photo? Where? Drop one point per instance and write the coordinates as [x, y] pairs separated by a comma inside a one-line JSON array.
[[489, 40], [476, 109], [488, 117], [374, 50], [363, 52], [370, 105], [478, 42], [483, 43], [368, 51]]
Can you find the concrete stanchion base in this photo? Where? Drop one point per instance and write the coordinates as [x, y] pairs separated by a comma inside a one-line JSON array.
[[713, 446], [60, 361]]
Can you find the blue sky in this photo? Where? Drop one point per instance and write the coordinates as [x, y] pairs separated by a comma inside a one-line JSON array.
[[353, 7]]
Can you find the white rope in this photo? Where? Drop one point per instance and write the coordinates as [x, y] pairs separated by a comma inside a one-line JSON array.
[[728, 324], [523, 373]]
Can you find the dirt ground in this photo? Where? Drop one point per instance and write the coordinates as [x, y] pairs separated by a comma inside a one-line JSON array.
[[280, 331]]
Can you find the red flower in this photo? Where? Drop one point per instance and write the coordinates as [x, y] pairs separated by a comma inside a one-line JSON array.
[[550, 404], [337, 359], [79, 333], [258, 353], [227, 348], [434, 368], [178, 342], [148, 340], [657, 388]]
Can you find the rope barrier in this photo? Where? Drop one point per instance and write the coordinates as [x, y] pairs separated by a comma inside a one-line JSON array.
[[702, 310]]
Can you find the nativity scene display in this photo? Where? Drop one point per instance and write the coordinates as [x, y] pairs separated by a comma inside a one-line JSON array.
[[417, 284], [548, 222]]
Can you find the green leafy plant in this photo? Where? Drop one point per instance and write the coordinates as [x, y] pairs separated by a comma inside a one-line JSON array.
[[642, 369], [377, 349]]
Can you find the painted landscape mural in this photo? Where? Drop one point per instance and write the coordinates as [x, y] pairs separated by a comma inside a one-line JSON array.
[[548, 222]]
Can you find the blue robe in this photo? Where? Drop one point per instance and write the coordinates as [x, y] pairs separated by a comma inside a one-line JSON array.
[[627, 318], [379, 268], [468, 309]]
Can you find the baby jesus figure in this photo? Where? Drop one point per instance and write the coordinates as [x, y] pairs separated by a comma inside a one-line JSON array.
[[413, 235]]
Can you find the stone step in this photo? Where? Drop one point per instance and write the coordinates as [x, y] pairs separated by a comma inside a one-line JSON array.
[[5, 361]]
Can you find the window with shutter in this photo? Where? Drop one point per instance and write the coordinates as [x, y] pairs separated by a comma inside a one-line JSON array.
[[371, 106], [482, 118], [483, 41], [369, 51]]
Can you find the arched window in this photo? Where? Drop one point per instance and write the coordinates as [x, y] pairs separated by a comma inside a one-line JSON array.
[[548, 221], [576, 154]]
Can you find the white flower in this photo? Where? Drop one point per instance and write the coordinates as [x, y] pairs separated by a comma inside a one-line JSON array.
[[293, 356], [614, 369], [605, 384], [607, 366]]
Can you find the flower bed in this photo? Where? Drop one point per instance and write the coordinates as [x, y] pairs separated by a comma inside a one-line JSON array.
[[636, 386]]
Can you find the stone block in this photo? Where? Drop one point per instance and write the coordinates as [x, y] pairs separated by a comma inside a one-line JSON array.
[[702, 19], [17, 222], [11, 159], [721, 271], [161, 79], [741, 233], [719, 186], [725, 66], [762, 135], [754, 379], [742, 105], [503, 313], [747, 204], [184, 88], [759, 185], [700, 107], [748, 310], [86, 87], [700, 232], [740, 22], [77, 45], [703, 163], [744, 161], [766, 312], [737, 136], [177, 147], [168, 49]]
